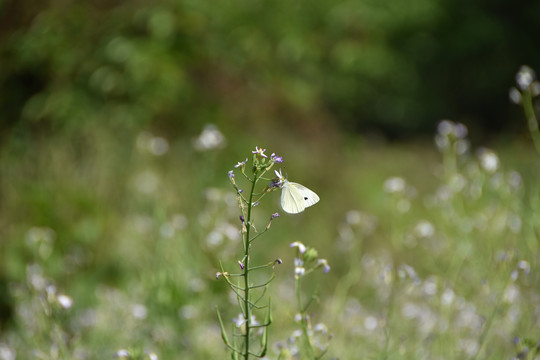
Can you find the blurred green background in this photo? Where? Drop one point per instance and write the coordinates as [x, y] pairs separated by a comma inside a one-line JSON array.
[[120, 119]]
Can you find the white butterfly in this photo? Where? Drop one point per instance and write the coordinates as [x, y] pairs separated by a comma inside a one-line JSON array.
[[295, 198]]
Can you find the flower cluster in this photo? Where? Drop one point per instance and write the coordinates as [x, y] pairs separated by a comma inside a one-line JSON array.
[[526, 83], [452, 136], [307, 260]]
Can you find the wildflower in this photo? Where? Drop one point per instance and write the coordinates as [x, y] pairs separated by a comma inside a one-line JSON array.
[[371, 323], [139, 311], [65, 301], [445, 127], [394, 184], [525, 77], [240, 321], [260, 152], [424, 229], [280, 176], [231, 174], [241, 264], [460, 130], [489, 160], [241, 163], [6, 353], [324, 264], [274, 184], [122, 354], [242, 218], [274, 215], [525, 266], [210, 138], [514, 95], [276, 158], [299, 269], [301, 247], [224, 274], [158, 146]]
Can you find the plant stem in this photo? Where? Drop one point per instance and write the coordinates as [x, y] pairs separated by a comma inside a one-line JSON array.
[[531, 118], [304, 320], [247, 306]]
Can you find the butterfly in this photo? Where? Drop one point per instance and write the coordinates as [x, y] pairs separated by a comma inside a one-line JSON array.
[[295, 197]]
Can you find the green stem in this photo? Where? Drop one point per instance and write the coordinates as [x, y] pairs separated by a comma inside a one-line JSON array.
[[304, 320], [532, 122], [491, 317], [247, 305], [247, 243]]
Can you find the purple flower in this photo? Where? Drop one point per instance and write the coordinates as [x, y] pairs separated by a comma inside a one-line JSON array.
[[241, 264], [259, 151], [324, 264], [276, 158], [241, 163], [274, 215], [274, 183], [231, 174], [242, 218]]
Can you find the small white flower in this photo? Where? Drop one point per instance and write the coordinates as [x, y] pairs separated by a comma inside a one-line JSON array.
[[210, 138], [158, 146], [139, 311], [279, 175], [447, 297], [394, 184], [525, 266], [240, 320], [460, 130], [489, 160], [424, 229], [321, 328], [445, 127], [525, 77], [370, 323], [122, 353], [65, 301], [6, 353], [514, 95], [301, 247]]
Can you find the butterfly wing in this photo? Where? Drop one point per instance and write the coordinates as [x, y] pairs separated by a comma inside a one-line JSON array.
[[309, 197], [292, 200], [295, 198]]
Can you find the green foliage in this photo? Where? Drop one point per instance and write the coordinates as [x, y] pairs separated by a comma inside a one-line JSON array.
[[366, 64], [110, 234]]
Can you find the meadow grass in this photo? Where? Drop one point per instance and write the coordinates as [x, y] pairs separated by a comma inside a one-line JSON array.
[[112, 250]]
